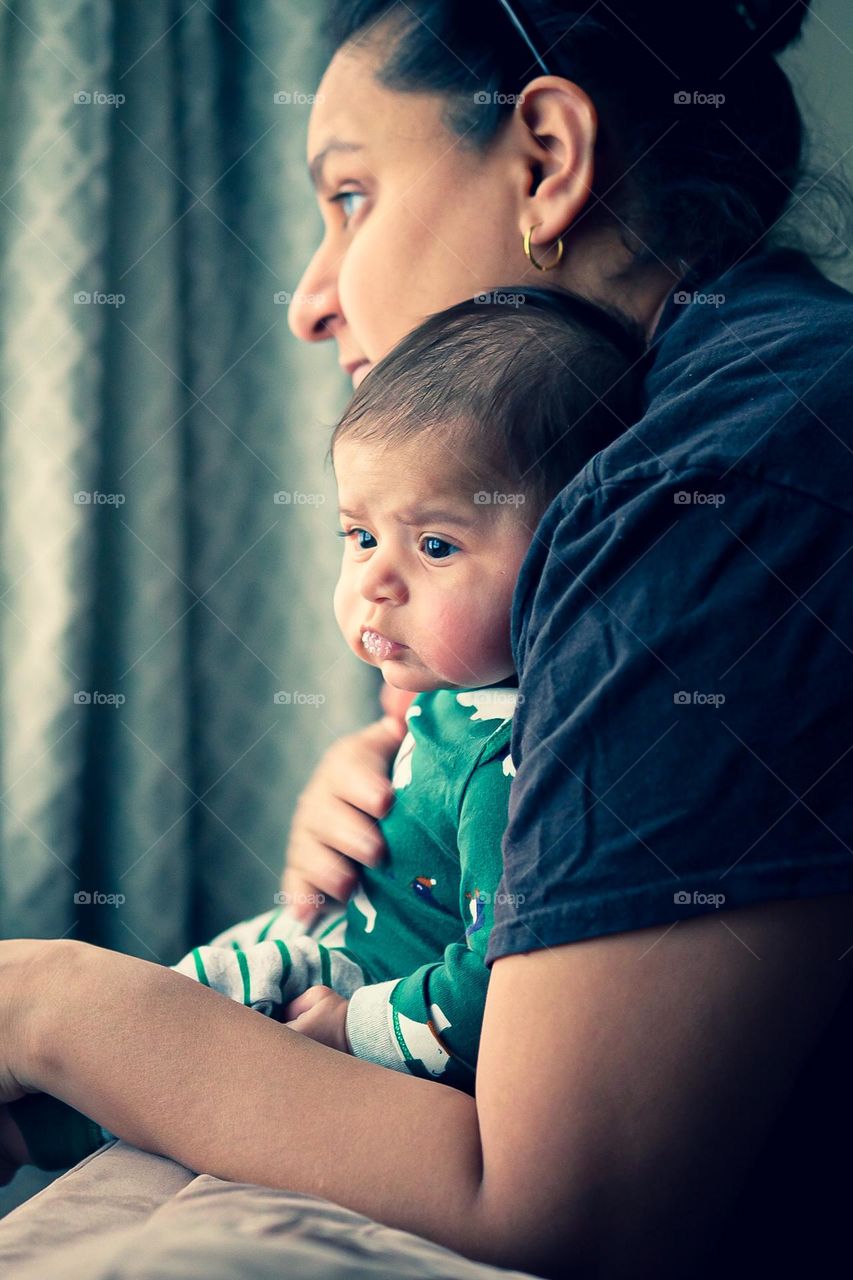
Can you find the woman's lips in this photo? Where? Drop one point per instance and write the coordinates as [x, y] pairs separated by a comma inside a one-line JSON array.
[[360, 373], [379, 646]]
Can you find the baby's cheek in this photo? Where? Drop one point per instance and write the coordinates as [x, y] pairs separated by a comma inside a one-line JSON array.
[[461, 638], [484, 639], [343, 604]]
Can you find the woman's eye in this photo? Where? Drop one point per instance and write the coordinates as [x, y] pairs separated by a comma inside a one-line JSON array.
[[341, 199], [437, 548]]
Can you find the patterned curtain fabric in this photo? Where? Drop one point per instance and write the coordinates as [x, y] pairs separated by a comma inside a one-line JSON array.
[[170, 666]]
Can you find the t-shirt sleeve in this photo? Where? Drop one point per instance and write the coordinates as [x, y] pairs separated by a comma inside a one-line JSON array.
[[684, 735]]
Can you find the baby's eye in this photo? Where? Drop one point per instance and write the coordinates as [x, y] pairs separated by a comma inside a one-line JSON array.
[[341, 199], [359, 535], [437, 548]]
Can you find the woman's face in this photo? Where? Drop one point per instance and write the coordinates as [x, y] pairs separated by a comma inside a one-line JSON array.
[[414, 222]]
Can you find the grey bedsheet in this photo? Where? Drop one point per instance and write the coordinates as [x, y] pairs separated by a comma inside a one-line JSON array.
[[123, 1214]]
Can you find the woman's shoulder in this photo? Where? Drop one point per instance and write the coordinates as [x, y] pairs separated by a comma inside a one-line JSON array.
[[766, 299], [749, 373], [746, 440]]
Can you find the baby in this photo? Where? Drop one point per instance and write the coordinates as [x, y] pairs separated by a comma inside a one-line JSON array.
[[445, 459]]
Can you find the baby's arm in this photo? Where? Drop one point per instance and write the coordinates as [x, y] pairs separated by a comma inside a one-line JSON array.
[[268, 975], [429, 1023], [263, 962]]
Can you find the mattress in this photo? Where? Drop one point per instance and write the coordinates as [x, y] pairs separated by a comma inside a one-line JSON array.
[[124, 1214]]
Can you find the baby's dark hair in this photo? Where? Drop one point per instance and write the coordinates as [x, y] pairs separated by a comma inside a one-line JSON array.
[[522, 385]]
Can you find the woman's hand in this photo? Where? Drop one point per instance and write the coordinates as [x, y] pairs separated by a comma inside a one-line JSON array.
[[334, 826], [321, 1014]]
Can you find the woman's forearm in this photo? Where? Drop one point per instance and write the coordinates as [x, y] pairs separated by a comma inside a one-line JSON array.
[[179, 1070]]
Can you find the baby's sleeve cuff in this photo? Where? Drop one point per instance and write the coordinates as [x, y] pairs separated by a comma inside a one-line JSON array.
[[370, 1026]]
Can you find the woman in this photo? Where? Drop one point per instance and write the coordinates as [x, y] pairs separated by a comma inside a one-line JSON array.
[[666, 999]]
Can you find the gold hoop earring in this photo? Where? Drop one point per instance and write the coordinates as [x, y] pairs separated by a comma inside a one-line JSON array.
[[529, 252]]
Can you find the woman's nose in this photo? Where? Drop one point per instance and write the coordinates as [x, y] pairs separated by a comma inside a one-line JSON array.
[[315, 310]]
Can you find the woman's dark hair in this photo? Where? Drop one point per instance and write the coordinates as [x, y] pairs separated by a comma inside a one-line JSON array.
[[522, 386], [681, 173]]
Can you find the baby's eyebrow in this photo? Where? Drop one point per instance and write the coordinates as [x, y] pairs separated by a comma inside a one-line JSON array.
[[426, 515], [420, 516]]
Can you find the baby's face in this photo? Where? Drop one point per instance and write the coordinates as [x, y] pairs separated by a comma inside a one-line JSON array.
[[428, 573]]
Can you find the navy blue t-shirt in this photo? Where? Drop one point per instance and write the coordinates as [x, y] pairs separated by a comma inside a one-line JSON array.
[[683, 633]]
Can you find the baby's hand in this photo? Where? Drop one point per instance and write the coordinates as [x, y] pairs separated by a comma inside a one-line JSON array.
[[321, 1014]]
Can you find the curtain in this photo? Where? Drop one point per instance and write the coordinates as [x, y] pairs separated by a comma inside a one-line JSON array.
[[169, 663]]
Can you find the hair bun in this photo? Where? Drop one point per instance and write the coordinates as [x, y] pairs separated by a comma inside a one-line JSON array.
[[776, 23], [766, 26]]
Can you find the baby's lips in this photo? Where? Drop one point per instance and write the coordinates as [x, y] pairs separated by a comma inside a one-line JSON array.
[[379, 646]]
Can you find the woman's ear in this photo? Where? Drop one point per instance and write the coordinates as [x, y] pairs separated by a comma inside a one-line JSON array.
[[558, 126]]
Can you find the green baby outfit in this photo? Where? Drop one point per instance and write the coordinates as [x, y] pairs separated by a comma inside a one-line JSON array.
[[408, 950], [430, 902]]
